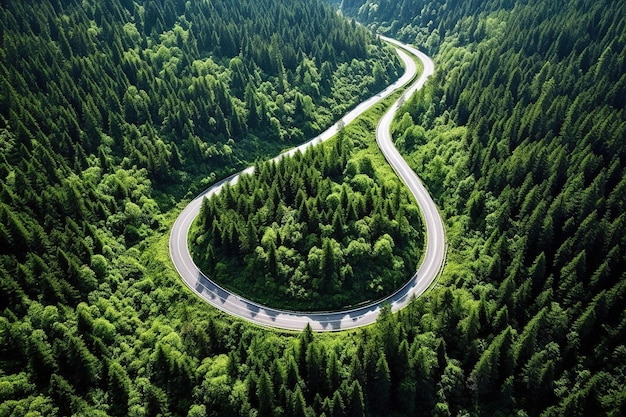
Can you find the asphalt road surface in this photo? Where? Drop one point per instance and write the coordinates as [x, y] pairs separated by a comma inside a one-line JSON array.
[[337, 320]]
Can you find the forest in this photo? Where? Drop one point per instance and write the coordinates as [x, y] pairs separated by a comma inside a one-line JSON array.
[[322, 230], [181, 87], [521, 141], [115, 113]]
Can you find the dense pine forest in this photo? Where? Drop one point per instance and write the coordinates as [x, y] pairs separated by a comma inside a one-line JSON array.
[[319, 231], [113, 111], [520, 138], [110, 112]]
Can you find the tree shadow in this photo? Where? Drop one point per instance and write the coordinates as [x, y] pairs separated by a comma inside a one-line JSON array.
[[208, 288]]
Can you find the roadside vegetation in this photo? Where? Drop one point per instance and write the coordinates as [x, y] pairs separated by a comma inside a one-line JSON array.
[[112, 111], [520, 140], [327, 229]]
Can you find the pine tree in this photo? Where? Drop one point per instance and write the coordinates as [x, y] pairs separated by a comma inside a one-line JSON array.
[[298, 404], [380, 391], [265, 394], [355, 406], [119, 389]]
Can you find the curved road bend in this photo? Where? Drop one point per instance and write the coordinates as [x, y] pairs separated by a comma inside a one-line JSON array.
[[327, 321]]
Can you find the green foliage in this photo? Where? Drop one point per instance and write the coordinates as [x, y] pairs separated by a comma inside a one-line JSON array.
[[105, 105], [162, 84], [310, 232], [427, 23], [531, 195], [109, 113]]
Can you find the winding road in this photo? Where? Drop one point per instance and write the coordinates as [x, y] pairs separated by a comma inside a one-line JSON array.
[[340, 320]]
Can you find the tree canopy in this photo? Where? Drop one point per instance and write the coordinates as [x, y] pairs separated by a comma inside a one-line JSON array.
[[317, 231], [112, 111]]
